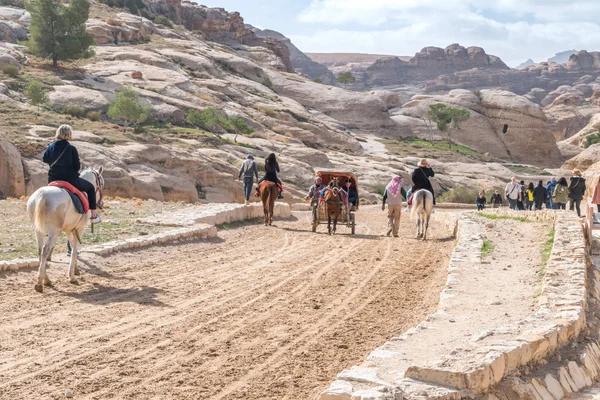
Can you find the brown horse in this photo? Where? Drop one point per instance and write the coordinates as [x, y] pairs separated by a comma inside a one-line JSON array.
[[268, 193], [333, 204]]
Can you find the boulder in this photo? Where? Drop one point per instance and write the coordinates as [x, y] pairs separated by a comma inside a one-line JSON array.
[[137, 75], [592, 127], [12, 178], [585, 159], [90, 100], [36, 174], [7, 33]]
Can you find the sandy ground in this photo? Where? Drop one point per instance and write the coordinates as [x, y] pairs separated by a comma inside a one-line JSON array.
[[258, 313]]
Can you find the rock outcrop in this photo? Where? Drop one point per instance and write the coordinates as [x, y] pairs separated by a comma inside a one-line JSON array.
[[12, 179], [527, 139], [429, 63], [300, 61]]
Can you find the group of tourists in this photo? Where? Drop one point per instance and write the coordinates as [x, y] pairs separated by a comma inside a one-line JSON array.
[[554, 195]]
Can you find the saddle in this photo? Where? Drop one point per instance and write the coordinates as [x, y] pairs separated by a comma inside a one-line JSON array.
[[80, 200]]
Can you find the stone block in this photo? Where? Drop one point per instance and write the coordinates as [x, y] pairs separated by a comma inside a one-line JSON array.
[[453, 379], [338, 390], [554, 387], [541, 389], [577, 375]]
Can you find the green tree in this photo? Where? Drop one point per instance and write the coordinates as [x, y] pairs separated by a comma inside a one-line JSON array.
[[212, 120], [37, 94], [346, 78], [594, 138], [128, 108], [58, 31], [447, 119], [318, 80]]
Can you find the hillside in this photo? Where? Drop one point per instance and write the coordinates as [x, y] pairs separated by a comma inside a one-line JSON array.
[[205, 58]]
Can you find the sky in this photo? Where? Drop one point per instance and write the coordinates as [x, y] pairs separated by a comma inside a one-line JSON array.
[[514, 30]]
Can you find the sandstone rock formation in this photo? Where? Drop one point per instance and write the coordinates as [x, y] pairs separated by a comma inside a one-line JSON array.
[[429, 63], [300, 62], [527, 140], [12, 179]]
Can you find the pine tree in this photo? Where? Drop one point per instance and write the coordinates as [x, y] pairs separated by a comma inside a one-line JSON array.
[[37, 94], [346, 78], [58, 31]]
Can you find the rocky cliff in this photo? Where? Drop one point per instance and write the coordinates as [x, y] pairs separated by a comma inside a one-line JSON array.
[[430, 63], [300, 61]]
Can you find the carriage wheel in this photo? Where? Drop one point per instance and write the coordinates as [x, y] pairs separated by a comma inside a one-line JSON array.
[[353, 223]]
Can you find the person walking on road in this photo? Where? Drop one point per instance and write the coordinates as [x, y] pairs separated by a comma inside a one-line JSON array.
[[560, 196], [540, 195], [393, 194], [249, 170], [512, 192], [576, 191]]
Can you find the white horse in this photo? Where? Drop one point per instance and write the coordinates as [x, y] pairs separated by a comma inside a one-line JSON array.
[[52, 211], [422, 205]]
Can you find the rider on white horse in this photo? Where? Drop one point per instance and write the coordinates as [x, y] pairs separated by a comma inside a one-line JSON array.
[[63, 159]]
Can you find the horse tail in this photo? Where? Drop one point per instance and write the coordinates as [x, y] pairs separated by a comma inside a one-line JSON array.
[[39, 217]]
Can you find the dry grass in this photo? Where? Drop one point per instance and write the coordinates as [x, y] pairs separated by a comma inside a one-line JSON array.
[[17, 239]]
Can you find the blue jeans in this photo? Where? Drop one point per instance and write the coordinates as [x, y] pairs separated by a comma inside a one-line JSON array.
[[248, 187]]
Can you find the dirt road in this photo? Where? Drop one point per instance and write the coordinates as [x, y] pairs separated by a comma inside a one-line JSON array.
[[258, 313]]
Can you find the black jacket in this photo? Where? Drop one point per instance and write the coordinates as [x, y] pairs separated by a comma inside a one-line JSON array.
[[540, 194], [496, 199], [481, 200], [577, 188], [420, 178], [67, 167]]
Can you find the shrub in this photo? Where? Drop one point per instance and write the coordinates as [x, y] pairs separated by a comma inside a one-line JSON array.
[[459, 195], [594, 138], [216, 121], [94, 115], [318, 80], [128, 108], [74, 111], [240, 125], [10, 70], [270, 112], [162, 20], [209, 119], [37, 94]]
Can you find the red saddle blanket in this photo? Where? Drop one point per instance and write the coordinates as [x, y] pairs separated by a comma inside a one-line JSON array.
[[75, 191]]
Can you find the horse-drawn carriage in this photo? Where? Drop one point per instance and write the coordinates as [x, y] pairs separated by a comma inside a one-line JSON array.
[[324, 209]]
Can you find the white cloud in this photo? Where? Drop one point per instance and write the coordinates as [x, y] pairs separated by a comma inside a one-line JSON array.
[[537, 28]]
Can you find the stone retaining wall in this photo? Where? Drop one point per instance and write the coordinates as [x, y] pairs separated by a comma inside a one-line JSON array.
[[559, 320]]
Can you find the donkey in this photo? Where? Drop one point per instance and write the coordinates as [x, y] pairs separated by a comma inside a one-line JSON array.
[[333, 205], [52, 211], [422, 205], [268, 194]]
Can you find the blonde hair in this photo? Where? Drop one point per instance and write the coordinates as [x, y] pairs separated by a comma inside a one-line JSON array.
[[64, 132], [577, 172]]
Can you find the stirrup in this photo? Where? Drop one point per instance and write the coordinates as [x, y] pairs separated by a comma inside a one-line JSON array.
[[96, 219]]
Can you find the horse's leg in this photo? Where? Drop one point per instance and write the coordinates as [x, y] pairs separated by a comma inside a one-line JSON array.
[[426, 227], [75, 251], [272, 208], [39, 237], [418, 226], [329, 222], [42, 275], [335, 222], [73, 263]]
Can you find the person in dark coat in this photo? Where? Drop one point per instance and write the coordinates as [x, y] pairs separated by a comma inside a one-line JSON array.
[[63, 159], [576, 191], [540, 194], [496, 199], [420, 177], [271, 171]]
